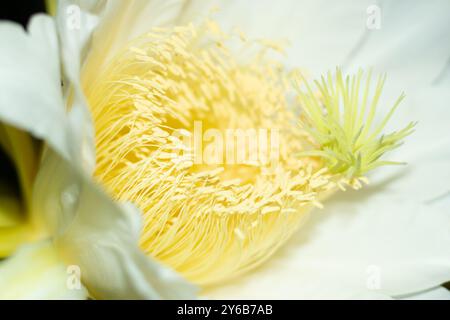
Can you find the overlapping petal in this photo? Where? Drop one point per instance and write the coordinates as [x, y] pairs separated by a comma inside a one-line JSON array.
[[86, 227], [393, 237]]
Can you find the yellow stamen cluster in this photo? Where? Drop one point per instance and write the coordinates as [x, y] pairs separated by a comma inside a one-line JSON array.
[[209, 222]]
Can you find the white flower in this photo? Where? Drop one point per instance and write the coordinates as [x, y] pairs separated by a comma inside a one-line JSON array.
[[389, 240]]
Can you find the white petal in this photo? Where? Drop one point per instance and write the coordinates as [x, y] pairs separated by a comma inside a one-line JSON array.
[[22, 151], [412, 44], [96, 234], [119, 22], [37, 272], [31, 97], [324, 34], [393, 237], [412, 210]]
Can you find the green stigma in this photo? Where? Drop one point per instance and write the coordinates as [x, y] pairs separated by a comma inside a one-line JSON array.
[[339, 116]]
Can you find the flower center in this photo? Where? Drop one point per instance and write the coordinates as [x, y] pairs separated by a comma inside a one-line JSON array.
[[204, 144]]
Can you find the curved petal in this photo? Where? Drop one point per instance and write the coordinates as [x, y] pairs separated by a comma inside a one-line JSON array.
[[439, 293], [397, 227], [13, 230], [412, 44], [31, 97], [101, 237], [47, 279], [303, 23]]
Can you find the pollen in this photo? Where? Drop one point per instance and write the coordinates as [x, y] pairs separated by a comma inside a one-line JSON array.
[[209, 220]]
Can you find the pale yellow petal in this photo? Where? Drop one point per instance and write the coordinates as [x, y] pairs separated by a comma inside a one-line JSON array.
[[37, 272]]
